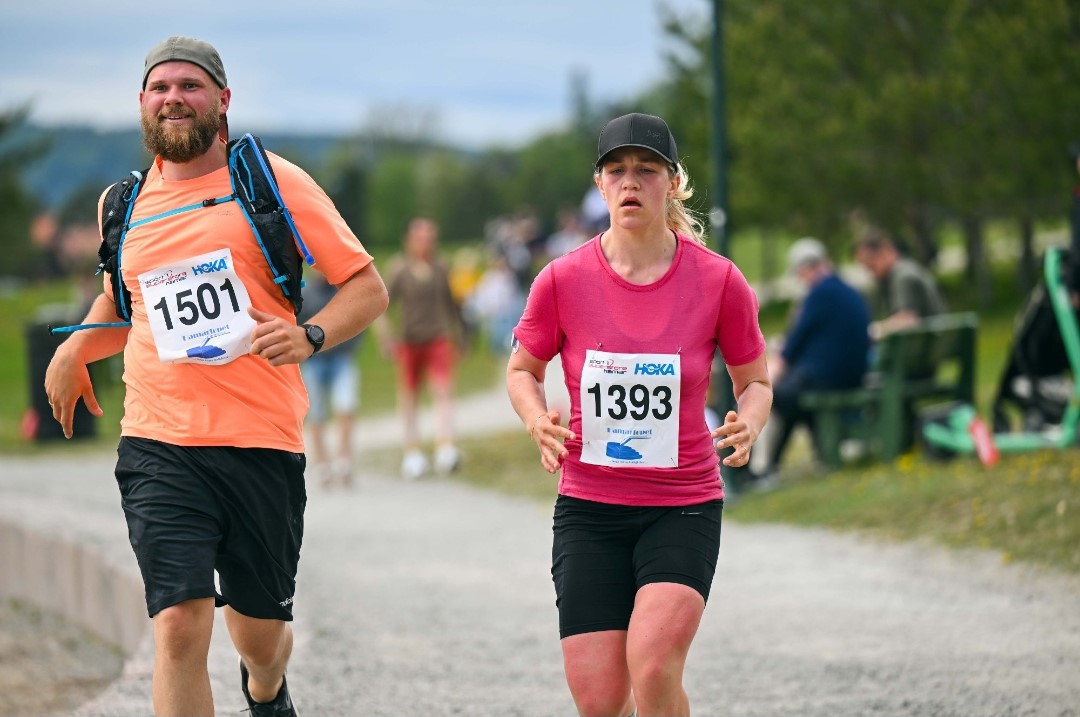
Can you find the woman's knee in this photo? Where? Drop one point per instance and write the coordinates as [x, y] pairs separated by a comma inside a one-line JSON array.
[[595, 665], [601, 701]]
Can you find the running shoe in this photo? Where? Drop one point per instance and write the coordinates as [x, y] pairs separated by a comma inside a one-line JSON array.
[[414, 465], [281, 706], [447, 458], [342, 471]]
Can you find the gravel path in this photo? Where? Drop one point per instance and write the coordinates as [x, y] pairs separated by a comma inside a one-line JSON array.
[[433, 598]]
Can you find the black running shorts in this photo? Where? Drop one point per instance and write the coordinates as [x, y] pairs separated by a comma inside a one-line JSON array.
[[192, 511], [602, 554]]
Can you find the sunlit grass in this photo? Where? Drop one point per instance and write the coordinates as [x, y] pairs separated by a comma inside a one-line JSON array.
[[1027, 506]]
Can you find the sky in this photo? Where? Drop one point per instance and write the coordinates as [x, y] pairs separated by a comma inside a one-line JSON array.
[[490, 72]]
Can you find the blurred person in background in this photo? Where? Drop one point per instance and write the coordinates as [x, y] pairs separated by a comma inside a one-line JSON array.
[[594, 212], [636, 316], [826, 347], [497, 303], [906, 291], [569, 236], [332, 378], [426, 327]]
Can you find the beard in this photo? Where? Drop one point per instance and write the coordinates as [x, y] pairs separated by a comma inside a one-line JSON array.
[[181, 145]]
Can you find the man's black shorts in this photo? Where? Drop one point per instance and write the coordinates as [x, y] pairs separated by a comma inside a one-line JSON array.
[[602, 554], [193, 510]]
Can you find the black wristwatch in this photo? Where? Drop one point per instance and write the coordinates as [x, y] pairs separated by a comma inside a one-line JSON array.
[[315, 336]]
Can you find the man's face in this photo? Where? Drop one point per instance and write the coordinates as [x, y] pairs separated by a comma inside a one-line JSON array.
[[181, 111], [877, 262]]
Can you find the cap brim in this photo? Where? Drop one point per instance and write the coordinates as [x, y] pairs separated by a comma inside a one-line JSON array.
[[667, 159]]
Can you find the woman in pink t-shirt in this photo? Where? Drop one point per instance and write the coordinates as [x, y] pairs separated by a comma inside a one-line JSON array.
[[637, 315]]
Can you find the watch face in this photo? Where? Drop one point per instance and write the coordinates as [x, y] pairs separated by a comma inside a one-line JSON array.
[[315, 335]]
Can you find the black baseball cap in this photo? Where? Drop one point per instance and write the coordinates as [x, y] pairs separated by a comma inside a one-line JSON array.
[[187, 49], [637, 130]]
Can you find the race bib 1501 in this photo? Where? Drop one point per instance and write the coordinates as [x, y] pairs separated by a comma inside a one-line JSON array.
[[197, 309], [630, 409]]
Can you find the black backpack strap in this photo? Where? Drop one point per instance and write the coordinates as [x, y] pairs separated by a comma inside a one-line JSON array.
[[115, 218], [256, 190]]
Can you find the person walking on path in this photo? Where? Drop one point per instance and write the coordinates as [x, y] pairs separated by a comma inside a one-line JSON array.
[[637, 518], [424, 345], [332, 379], [210, 462]]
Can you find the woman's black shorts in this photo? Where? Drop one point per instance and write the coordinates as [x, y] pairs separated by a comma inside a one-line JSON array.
[[192, 511], [602, 554]]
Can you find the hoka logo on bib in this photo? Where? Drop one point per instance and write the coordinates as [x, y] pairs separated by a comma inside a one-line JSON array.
[[655, 369], [210, 267]]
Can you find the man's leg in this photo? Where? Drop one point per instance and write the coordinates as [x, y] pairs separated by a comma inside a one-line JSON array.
[[441, 369], [413, 464], [785, 407], [408, 393], [344, 397], [181, 683], [264, 646]]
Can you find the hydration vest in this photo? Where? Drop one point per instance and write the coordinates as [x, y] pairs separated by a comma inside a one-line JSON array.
[[254, 188]]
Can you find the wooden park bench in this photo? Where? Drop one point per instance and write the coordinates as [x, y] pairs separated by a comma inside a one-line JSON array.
[[932, 362]]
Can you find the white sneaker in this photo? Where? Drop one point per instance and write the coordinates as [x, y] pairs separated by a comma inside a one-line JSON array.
[[413, 465], [447, 459], [318, 473], [342, 470]]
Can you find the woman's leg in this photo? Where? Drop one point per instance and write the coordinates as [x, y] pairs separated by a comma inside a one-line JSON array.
[[596, 672], [665, 619]]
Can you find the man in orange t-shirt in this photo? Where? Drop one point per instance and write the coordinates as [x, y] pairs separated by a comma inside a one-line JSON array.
[[210, 463]]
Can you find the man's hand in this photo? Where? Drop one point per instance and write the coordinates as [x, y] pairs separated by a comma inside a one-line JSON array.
[[66, 381], [278, 340]]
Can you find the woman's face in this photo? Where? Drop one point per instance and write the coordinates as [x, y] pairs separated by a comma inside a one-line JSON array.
[[636, 184]]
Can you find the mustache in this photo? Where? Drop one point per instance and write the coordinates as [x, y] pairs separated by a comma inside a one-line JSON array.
[[175, 111]]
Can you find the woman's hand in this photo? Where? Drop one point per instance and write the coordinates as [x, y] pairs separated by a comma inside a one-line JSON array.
[[737, 434], [549, 436]]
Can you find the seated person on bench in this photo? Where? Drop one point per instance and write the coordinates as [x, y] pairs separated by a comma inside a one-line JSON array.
[[906, 291], [827, 346]]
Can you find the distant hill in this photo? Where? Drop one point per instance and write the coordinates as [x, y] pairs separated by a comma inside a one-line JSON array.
[[79, 156]]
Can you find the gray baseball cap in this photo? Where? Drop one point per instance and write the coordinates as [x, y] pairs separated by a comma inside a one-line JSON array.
[[186, 49], [806, 251], [637, 130]]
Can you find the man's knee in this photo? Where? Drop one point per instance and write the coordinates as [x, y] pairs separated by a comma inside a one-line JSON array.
[[183, 630]]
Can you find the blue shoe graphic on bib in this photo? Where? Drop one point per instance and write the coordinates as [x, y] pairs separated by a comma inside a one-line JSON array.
[[621, 451], [205, 351]]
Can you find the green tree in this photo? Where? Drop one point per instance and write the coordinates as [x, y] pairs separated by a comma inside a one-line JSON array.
[[909, 113], [21, 257]]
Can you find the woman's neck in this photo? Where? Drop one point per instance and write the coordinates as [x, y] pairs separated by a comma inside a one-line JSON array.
[[639, 258]]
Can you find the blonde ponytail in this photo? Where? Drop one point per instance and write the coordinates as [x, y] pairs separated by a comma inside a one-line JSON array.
[[680, 218]]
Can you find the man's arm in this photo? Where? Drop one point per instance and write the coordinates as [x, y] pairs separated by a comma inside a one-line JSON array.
[[359, 300], [67, 378]]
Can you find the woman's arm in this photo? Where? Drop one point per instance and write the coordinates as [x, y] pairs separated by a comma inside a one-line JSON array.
[[525, 386], [753, 393]]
